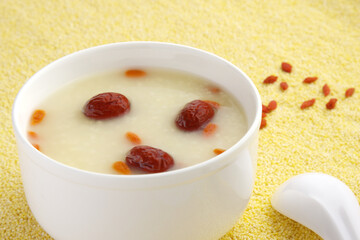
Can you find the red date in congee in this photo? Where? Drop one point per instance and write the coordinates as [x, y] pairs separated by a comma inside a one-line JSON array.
[[149, 159], [194, 115], [106, 105]]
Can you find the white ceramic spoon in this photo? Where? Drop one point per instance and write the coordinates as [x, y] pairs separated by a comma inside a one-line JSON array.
[[322, 203]]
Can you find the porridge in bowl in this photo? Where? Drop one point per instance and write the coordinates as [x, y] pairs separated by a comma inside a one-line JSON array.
[[136, 121], [193, 197]]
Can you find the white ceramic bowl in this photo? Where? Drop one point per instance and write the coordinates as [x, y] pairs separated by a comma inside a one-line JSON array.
[[199, 202]]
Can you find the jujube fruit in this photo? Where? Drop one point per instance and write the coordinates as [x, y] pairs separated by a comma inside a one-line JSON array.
[[149, 159], [106, 105], [194, 115]]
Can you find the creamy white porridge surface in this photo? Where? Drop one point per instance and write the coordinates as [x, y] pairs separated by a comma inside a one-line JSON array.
[[68, 136]]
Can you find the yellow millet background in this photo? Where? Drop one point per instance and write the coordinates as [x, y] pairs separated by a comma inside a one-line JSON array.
[[319, 38]]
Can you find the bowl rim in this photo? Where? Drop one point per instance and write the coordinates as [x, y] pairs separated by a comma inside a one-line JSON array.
[[193, 168]]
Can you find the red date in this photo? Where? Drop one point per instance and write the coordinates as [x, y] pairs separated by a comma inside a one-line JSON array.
[[106, 105], [194, 115], [149, 159]]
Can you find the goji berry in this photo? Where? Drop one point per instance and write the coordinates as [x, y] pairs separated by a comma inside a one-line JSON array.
[[286, 67], [216, 105], [218, 151], [209, 129], [272, 105], [37, 116], [134, 73], [133, 138], [263, 115], [270, 79], [349, 92], [32, 134], [310, 79], [307, 104], [214, 89], [35, 145], [331, 104], [106, 105], [263, 123], [121, 167], [194, 115], [265, 109], [149, 159], [284, 86], [326, 90]]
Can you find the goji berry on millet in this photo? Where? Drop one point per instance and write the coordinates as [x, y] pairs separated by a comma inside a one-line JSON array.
[[349, 92], [331, 104], [265, 109], [310, 79], [270, 79], [284, 86], [272, 105], [263, 123], [326, 90], [286, 67], [307, 104]]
